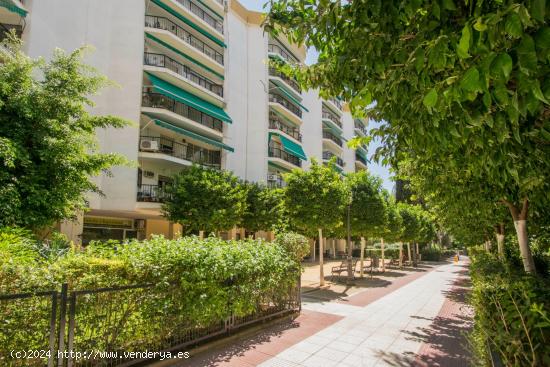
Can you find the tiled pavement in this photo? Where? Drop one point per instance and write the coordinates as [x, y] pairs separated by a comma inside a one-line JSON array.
[[414, 323]]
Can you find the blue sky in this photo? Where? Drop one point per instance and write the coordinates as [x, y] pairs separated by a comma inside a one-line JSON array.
[[374, 168]]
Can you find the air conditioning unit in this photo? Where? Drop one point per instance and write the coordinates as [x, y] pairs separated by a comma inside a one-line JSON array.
[[272, 177], [148, 144]]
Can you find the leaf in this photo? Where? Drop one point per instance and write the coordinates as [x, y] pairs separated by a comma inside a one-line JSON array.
[[449, 5], [464, 43], [513, 25], [538, 9], [537, 92], [527, 57], [470, 80], [480, 26], [430, 99], [419, 61], [502, 66], [542, 38]]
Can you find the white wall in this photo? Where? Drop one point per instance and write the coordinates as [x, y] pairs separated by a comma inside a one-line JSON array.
[[312, 128], [349, 154], [115, 30]]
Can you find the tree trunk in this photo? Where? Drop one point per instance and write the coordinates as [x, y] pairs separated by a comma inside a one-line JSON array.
[[400, 255], [362, 256], [321, 262], [409, 253], [500, 239], [417, 252], [383, 257], [520, 224], [201, 235]]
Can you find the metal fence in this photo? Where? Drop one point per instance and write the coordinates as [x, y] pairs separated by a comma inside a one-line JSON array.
[[101, 327]]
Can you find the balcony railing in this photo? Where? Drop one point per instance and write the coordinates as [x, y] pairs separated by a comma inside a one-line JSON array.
[[359, 126], [151, 194], [201, 13], [188, 151], [276, 124], [156, 100], [282, 52], [186, 72], [331, 117], [331, 136], [336, 102], [293, 83], [285, 103], [360, 159], [328, 156], [167, 25], [275, 180], [276, 152]]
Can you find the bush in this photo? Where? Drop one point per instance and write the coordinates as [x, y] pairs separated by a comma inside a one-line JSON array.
[[295, 244], [435, 253], [511, 314]]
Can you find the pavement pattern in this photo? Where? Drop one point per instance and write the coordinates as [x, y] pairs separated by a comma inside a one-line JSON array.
[[417, 319]]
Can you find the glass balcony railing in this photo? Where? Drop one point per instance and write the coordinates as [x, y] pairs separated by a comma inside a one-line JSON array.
[[167, 25], [184, 71], [151, 194], [360, 159], [328, 156], [331, 136], [336, 102], [276, 49], [285, 103], [293, 83], [201, 13], [330, 116], [277, 152], [359, 126], [157, 100], [276, 124], [187, 151]]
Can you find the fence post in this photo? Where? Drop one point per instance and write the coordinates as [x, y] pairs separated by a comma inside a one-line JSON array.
[[70, 337], [53, 322], [62, 319], [300, 292]]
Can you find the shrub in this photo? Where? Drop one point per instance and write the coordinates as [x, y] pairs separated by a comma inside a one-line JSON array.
[[296, 245], [435, 253], [511, 314]]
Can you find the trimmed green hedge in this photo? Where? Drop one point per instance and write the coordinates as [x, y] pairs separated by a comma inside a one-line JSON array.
[[511, 314]]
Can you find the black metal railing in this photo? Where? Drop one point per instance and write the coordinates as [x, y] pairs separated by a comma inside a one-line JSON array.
[[331, 136], [201, 13], [330, 116], [187, 151], [57, 327], [167, 25], [285, 103], [277, 152], [275, 180], [276, 124], [360, 158], [290, 81], [185, 71], [328, 156], [359, 126], [336, 102], [282, 52], [157, 100], [151, 194]]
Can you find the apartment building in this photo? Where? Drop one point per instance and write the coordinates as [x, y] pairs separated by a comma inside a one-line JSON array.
[[194, 77]]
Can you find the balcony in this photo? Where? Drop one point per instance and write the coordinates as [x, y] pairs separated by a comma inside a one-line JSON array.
[[278, 50], [360, 159], [275, 98], [275, 181], [330, 116], [151, 194], [276, 152], [327, 156], [336, 102], [184, 71], [291, 82], [332, 137], [157, 100], [188, 151], [167, 25], [276, 124], [359, 126], [202, 14]]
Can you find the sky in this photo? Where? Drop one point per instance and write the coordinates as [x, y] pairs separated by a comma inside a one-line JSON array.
[[374, 168]]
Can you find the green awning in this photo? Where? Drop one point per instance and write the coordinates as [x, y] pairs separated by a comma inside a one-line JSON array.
[[171, 91], [192, 135], [362, 153], [14, 7], [189, 23], [291, 97], [291, 147]]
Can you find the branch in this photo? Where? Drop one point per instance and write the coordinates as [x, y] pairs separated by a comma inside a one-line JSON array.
[[513, 209]]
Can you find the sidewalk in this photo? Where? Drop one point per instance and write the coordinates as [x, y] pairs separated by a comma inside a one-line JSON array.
[[413, 318]]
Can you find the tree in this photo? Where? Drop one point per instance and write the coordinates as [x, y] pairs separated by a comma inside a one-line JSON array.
[[48, 151], [264, 207], [462, 80], [316, 200], [204, 199]]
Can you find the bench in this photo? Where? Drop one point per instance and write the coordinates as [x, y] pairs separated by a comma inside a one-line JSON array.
[[343, 267]]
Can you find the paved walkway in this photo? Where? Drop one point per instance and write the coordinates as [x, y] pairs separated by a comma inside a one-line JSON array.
[[417, 319]]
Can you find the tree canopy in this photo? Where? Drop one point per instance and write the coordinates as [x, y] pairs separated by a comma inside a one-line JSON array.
[[368, 215], [264, 207], [48, 150]]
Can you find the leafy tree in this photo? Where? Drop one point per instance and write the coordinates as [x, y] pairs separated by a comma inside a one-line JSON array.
[[48, 151], [264, 207], [316, 200], [204, 199], [394, 224], [467, 81]]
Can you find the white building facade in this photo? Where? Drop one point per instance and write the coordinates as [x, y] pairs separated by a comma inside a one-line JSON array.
[[194, 78]]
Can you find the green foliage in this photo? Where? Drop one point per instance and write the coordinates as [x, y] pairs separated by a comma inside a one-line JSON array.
[[368, 216], [316, 199], [48, 151], [411, 225], [296, 245], [203, 199], [435, 253], [264, 207], [511, 314]]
